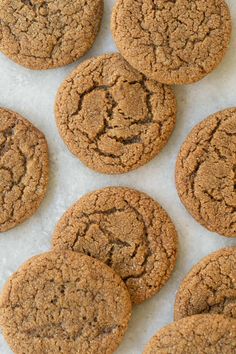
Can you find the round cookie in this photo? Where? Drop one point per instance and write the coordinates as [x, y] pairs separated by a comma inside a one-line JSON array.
[[23, 169], [64, 302], [174, 42], [210, 287], [205, 173], [128, 231], [194, 335], [113, 118], [44, 34]]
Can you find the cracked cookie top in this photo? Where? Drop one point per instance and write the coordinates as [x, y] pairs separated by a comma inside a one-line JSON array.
[[128, 231], [44, 34], [196, 334], [23, 169], [64, 302], [172, 41], [210, 287], [205, 173], [112, 117]]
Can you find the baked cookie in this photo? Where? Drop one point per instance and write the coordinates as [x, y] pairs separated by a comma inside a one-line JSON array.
[[23, 169], [64, 302], [194, 335], [112, 117], [174, 42], [128, 231], [205, 173], [44, 34], [210, 287]]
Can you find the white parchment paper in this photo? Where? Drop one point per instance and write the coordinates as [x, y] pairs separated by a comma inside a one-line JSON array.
[[32, 94]]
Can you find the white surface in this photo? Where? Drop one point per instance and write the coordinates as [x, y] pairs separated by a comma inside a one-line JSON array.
[[32, 94]]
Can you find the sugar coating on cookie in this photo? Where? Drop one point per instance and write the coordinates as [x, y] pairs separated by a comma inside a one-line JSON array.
[[44, 34], [210, 287], [112, 117], [205, 173], [128, 231], [174, 42], [194, 335], [64, 302], [23, 169]]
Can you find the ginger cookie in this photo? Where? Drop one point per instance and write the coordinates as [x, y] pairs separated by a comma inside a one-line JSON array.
[[210, 287], [128, 231], [113, 118], [174, 42], [44, 34], [196, 335], [64, 302], [205, 173], [23, 169]]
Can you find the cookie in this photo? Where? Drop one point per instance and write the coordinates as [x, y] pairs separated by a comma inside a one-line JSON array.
[[23, 169], [210, 287], [44, 34], [128, 231], [64, 302], [113, 118], [205, 173], [174, 42], [194, 335]]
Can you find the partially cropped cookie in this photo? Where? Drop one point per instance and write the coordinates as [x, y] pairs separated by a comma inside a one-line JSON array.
[[196, 335], [112, 117], [128, 231], [210, 287], [23, 169], [174, 42], [205, 173], [64, 302], [44, 34]]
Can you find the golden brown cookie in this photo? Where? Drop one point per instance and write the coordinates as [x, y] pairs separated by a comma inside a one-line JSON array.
[[205, 173], [210, 287], [128, 231], [44, 34], [196, 335], [112, 117], [23, 169], [64, 302], [174, 42]]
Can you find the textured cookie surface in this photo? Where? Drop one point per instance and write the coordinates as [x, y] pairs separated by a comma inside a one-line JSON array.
[[43, 34], [64, 302], [128, 231], [205, 173], [210, 287], [23, 169], [194, 335], [112, 117], [173, 42]]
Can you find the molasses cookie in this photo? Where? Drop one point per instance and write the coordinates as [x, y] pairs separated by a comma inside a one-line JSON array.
[[64, 302], [210, 287], [113, 118], [205, 173], [23, 169], [174, 42], [128, 231], [44, 34], [194, 335]]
